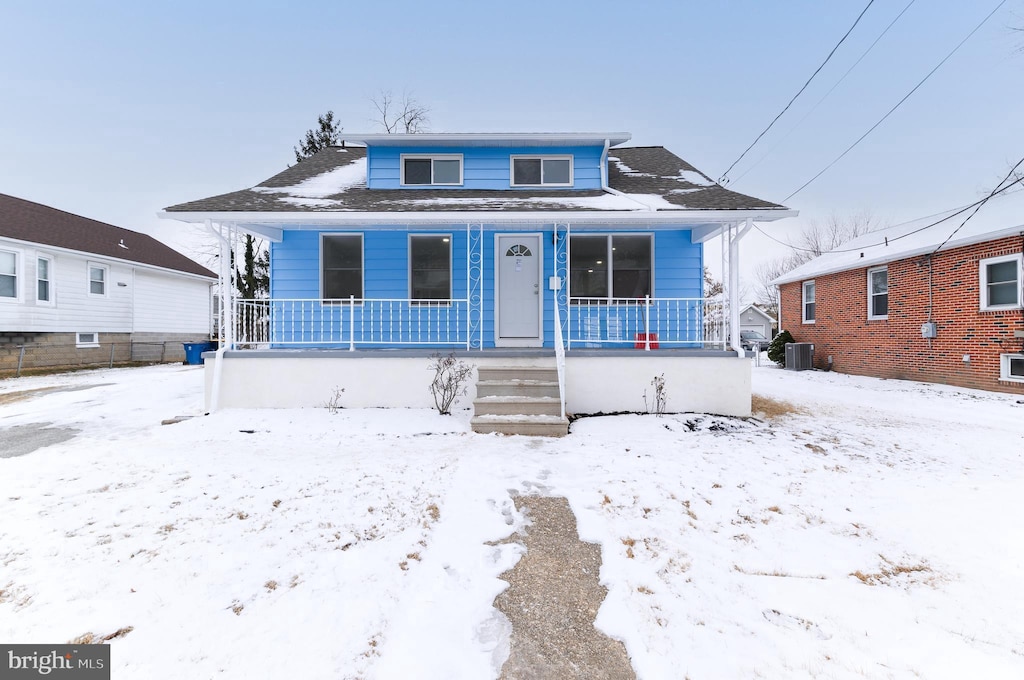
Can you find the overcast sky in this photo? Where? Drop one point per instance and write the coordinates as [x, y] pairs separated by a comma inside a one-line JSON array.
[[114, 110]]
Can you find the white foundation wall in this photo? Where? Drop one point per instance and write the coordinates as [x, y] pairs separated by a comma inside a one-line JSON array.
[[603, 384]]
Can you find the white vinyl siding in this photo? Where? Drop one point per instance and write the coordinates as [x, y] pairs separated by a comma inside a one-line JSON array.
[[549, 171], [431, 169], [808, 303], [1000, 282], [10, 266], [878, 293], [168, 304]]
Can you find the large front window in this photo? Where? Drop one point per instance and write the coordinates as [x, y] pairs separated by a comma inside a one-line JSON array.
[[1000, 282], [431, 170], [430, 267], [610, 266], [342, 262]]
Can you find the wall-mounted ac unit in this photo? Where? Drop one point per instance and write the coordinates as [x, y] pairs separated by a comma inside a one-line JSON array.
[[799, 356]]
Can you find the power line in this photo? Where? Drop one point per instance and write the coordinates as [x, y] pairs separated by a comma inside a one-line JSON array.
[[886, 240], [898, 104], [838, 83], [724, 179], [980, 204]]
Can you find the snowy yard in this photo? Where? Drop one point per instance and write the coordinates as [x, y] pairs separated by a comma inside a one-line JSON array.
[[871, 532]]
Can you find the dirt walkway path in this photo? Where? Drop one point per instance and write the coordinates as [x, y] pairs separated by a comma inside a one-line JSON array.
[[552, 599]]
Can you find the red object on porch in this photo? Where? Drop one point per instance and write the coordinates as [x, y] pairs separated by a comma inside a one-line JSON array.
[[641, 341]]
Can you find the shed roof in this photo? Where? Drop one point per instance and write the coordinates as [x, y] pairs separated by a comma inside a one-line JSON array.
[[334, 180], [37, 223]]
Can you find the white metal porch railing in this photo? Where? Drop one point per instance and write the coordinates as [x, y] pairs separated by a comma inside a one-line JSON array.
[[353, 322], [646, 323]]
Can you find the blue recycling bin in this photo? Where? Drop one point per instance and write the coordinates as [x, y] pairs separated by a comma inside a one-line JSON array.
[[194, 351]]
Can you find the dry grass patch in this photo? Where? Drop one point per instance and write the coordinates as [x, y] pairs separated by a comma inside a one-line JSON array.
[[889, 572], [629, 543], [770, 409], [93, 639]]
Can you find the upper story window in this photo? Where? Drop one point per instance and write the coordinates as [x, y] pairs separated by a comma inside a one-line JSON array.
[[878, 293], [97, 279], [548, 171], [1000, 282], [610, 266], [430, 267], [8, 274], [44, 286], [808, 305], [341, 257], [431, 169]]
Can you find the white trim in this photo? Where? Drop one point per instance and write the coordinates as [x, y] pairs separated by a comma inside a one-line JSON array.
[[18, 277], [1004, 367], [432, 157], [983, 266], [490, 138], [89, 266], [804, 301], [95, 342], [451, 270], [51, 283], [541, 157], [519, 342], [871, 316], [362, 263]]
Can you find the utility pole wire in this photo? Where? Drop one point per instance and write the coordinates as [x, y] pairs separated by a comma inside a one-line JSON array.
[[898, 104], [724, 179], [838, 83], [981, 203]]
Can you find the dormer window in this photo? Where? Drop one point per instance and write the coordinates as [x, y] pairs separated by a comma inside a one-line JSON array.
[[431, 169], [547, 171]]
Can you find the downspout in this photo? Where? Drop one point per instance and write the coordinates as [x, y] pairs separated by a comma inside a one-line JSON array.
[[225, 320], [734, 286], [604, 179]]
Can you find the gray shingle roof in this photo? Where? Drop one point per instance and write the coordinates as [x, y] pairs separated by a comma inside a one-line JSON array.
[[37, 223], [335, 180]]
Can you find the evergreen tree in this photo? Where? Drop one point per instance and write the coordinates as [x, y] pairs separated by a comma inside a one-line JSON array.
[[252, 280], [327, 133], [777, 347]]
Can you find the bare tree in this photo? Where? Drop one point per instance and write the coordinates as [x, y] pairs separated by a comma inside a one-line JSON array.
[[400, 115], [766, 295]]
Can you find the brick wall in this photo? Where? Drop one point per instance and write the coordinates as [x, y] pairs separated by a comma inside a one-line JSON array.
[[894, 348]]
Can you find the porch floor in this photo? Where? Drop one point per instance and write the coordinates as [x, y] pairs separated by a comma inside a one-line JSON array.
[[496, 352]]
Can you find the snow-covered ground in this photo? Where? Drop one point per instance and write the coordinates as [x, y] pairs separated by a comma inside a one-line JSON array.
[[872, 533]]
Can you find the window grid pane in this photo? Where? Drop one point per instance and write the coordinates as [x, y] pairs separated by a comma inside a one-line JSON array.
[[342, 267], [446, 171], [1016, 368], [417, 171], [526, 171], [588, 267], [430, 263], [556, 171], [631, 266]]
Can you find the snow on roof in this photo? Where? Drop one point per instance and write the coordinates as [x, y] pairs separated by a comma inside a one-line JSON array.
[[336, 181], [1002, 216]]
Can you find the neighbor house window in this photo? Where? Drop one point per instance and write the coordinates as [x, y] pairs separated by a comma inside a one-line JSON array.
[[531, 171], [878, 293], [8, 274], [1000, 282], [1012, 367], [97, 279], [342, 263], [430, 267], [610, 266], [87, 340], [808, 301], [43, 285], [431, 170]]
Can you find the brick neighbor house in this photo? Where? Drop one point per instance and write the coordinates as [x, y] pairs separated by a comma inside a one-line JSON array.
[[905, 303]]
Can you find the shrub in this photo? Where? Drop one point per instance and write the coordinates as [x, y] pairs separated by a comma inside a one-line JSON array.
[[777, 347], [450, 378]]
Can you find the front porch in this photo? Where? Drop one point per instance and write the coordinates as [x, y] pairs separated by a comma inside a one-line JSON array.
[[595, 380]]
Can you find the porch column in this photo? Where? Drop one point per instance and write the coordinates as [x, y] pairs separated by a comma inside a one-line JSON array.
[[734, 285]]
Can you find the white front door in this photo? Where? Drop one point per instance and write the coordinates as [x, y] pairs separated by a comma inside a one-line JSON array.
[[518, 291]]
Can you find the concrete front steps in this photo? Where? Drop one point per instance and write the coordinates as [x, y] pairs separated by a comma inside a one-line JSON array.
[[518, 400]]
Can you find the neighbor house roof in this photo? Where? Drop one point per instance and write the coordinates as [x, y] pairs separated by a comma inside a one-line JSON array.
[[334, 180], [36, 223], [998, 219], [760, 311]]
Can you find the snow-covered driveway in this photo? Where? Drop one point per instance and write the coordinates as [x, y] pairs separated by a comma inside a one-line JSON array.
[[872, 532]]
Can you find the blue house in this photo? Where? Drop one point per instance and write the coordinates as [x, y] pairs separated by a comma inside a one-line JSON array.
[[516, 250]]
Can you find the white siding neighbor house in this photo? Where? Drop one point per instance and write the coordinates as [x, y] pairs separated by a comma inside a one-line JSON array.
[[72, 288]]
